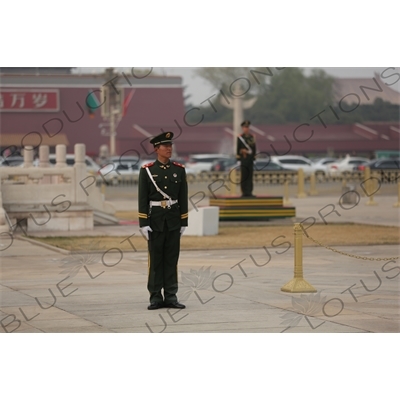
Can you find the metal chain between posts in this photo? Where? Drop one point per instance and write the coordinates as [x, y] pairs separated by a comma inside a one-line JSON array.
[[347, 254]]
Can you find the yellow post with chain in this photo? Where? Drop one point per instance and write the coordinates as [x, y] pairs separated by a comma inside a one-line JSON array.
[[286, 201], [348, 254], [398, 195], [313, 188], [370, 187], [228, 186], [300, 184], [298, 284], [233, 179]]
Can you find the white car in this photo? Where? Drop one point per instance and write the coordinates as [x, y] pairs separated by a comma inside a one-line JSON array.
[[203, 162], [321, 165], [91, 166], [119, 168], [11, 161], [346, 165], [295, 163], [190, 172]]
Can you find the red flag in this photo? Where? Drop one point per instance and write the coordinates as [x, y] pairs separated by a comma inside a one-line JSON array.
[[127, 101]]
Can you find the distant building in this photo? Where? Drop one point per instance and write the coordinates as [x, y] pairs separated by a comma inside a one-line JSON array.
[[364, 90], [36, 70], [50, 106]]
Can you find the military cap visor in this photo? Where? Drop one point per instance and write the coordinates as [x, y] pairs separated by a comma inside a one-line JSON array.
[[163, 138], [245, 123]]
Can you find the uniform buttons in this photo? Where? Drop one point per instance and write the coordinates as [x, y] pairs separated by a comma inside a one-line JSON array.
[[165, 177], [165, 187]]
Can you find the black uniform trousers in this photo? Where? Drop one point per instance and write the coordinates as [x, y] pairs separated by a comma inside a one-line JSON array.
[[246, 178], [164, 250]]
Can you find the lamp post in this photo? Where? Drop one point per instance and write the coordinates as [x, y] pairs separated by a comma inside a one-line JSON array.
[[111, 109], [238, 105]]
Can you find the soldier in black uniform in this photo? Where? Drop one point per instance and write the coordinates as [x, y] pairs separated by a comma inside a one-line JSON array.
[[163, 216], [246, 153]]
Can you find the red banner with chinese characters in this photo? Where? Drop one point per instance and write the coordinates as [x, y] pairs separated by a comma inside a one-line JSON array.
[[29, 100]]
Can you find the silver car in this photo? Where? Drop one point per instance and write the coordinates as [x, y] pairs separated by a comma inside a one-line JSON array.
[[120, 168]]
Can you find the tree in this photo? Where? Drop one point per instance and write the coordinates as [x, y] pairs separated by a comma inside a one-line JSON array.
[[230, 82], [293, 97], [287, 95], [378, 111], [228, 78], [283, 94]]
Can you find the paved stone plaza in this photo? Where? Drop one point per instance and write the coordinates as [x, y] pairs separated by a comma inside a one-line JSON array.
[[48, 290]]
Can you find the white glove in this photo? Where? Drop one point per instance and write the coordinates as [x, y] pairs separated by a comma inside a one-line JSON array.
[[145, 231], [182, 229]]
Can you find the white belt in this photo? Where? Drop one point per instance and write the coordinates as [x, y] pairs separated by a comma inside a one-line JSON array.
[[163, 203]]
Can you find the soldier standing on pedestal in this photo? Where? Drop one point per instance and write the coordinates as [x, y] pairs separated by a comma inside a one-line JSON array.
[[246, 153], [163, 216]]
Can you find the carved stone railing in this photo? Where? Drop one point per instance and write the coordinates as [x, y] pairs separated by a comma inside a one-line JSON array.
[[40, 198]]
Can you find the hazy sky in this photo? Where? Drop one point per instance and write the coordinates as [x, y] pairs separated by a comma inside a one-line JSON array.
[[200, 90]]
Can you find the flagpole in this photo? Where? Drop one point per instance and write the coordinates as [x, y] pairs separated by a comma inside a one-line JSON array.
[[112, 132], [114, 105]]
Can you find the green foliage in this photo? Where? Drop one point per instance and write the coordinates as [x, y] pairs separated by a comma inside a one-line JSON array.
[[228, 78], [380, 110], [293, 97], [286, 96], [253, 81]]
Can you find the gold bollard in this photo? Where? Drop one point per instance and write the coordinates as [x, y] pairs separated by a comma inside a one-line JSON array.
[[233, 178], [398, 195], [300, 184], [313, 189], [235, 182], [286, 200], [298, 284], [370, 187]]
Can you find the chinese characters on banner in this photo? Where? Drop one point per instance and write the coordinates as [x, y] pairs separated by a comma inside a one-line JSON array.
[[29, 100]]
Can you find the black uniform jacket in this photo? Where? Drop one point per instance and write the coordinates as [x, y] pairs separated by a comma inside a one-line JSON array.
[[251, 142], [171, 179]]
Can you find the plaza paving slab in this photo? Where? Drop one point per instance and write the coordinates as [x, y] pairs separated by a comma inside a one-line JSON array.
[[312, 209], [227, 290], [224, 291]]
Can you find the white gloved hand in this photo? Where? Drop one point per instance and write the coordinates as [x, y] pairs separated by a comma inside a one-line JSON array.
[[145, 231], [182, 229]]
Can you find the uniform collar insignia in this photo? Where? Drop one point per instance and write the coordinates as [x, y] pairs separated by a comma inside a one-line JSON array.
[[164, 166]]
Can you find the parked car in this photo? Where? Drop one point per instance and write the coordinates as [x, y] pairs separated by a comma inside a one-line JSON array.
[[261, 165], [203, 162], [346, 165], [190, 172], [381, 163], [119, 167], [145, 161], [91, 166], [224, 164], [321, 165], [295, 163], [12, 161]]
